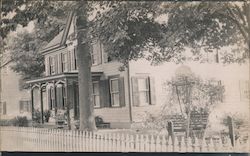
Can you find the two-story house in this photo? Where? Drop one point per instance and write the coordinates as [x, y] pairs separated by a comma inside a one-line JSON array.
[[120, 97], [14, 100]]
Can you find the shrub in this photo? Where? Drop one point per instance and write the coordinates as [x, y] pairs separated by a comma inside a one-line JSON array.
[[37, 116], [20, 121], [47, 114], [5, 123]]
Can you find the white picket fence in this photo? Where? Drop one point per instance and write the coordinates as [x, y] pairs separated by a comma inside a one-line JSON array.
[[40, 139]]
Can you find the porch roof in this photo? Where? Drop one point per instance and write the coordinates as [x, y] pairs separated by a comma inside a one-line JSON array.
[[60, 76]]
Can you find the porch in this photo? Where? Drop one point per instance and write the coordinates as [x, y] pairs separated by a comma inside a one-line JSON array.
[[57, 94]]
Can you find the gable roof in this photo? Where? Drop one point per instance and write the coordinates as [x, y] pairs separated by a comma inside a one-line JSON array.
[[60, 39]]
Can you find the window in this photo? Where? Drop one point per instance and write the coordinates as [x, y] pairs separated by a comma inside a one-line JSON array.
[[64, 62], [96, 94], [114, 92], [143, 89], [52, 65], [24, 106], [94, 57]]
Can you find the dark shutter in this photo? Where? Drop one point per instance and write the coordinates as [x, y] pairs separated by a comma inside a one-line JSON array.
[[135, 91], [60, 63], [104, 93], [69, 61], [152, 90], [49, 100], [4, 108], [59, 96], [56, 64], [122, 92], [47, 62]]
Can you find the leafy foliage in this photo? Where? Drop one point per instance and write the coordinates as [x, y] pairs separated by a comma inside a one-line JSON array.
[[20, 121], [47, 115], [37, 116], [25, 54], [202, 94]]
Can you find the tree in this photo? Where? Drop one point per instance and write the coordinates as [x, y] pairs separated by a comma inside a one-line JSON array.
[[24, 52], [129, 31], [209, 25]]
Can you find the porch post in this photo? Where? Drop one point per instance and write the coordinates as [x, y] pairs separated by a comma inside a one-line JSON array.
[[67, 103], [41, 99], [32, 103], [55, 97]]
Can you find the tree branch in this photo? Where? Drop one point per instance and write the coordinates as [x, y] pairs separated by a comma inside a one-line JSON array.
[[241, 28], [240, 14]]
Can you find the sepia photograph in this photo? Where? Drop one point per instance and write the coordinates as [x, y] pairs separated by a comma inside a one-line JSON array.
[[124, 76]]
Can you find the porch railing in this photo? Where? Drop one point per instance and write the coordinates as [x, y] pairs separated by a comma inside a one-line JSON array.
[[40, 139]]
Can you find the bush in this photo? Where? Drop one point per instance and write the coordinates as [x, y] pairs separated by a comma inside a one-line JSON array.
[[47, 114], [37, 116], [5, 123], [20, 121]]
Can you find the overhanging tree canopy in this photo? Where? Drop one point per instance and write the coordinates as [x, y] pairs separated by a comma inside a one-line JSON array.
[[130, 30]]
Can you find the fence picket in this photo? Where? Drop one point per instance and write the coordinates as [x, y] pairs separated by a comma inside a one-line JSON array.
[[110, 142], [182, 145], [152, 144], [114, 143], [132, 143], [196, 145], [189, 145], [137, 143], [204, 145], [170, 145], [176, 147], [158, 144], [164, 144]]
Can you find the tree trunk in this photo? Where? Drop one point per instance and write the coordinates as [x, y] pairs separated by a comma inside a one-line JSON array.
[[84, 74]]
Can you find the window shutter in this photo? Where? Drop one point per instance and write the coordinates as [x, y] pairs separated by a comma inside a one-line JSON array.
[[135, 90], [47, 68], [4, 108], [104, 93], [60, 63], [122, 92], [56, 64], [59, 97], [99, 54], [152, 90], [49, 100], [69, 61]]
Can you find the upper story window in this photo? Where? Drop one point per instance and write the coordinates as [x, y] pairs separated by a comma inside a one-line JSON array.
[[114, 92], [52, 65], [64, 62], [95, 55]]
